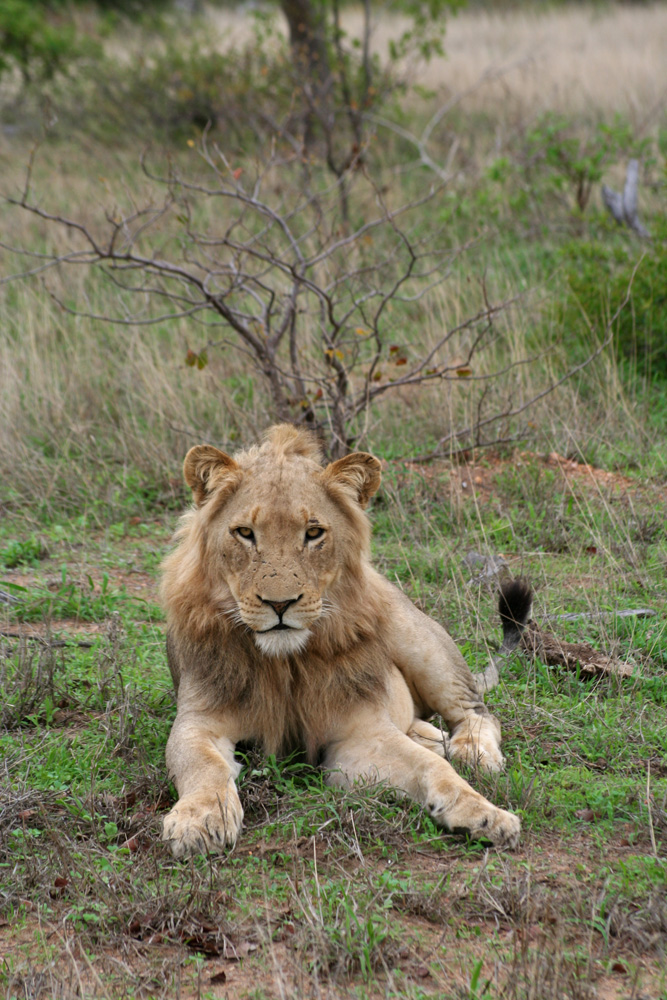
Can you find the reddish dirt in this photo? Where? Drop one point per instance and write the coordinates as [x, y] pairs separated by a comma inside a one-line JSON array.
[[469, 478], [53, 630]]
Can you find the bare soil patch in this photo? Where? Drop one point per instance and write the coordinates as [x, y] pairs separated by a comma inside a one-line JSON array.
[[470, 479]]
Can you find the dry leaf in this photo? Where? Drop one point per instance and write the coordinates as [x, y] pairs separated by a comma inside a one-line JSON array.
[[422, 971]]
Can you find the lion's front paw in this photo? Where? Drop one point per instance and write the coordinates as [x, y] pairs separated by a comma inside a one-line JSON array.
[[502, 828], [203, 822], [480, 819]]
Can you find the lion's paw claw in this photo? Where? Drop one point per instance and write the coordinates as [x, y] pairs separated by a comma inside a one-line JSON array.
[[498, 826], [503, 830]]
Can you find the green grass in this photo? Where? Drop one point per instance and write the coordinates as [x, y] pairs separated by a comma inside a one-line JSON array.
[[83, 602], [340, 894], [356, 890]]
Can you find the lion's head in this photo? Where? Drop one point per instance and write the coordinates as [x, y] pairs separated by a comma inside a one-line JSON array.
[[271, 535]]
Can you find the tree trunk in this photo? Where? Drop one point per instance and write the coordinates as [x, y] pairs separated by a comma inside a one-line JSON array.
[[307, 36]]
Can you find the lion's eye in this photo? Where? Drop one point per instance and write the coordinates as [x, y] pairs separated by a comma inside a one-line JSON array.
[[246, 533], [314, 532]]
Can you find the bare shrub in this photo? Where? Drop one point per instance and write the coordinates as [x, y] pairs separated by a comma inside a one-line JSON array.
[[30, 676], [328, 315]]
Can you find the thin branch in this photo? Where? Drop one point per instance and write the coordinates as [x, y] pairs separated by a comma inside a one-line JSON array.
[[509, 413]]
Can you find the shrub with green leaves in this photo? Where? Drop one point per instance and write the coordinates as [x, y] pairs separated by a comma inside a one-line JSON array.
[[38, 42], [601, 272], [186, 88], [562, 157]]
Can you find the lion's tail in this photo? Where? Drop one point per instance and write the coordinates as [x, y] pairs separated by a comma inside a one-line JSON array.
[[515, 607]]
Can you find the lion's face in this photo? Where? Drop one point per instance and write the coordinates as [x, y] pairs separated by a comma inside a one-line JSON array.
[[278, 532], [277, 543]]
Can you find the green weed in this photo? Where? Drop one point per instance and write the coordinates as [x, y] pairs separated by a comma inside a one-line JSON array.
[[24, 552], [81, 601]]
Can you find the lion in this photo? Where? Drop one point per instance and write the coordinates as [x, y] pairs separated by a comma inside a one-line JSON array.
[[281, 633]]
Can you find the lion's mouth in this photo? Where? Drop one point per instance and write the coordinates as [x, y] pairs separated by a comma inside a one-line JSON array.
[[282, 640]]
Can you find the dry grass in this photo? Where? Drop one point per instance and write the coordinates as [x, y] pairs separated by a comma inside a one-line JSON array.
[[78, 398], [574, 59], [84, 406]]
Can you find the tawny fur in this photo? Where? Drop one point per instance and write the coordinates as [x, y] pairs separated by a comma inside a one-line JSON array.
[[282, 698], [280, 631]]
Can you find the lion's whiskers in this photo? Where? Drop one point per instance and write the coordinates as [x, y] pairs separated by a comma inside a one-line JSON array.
[[234, 615], [328, 608]]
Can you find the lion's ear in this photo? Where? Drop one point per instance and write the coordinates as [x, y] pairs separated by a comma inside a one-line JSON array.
[[206, 469], [358, 473]]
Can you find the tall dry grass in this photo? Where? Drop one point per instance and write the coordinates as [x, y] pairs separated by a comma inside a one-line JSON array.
[[597, 59], [87, 409], [576, 59], [91, 412]]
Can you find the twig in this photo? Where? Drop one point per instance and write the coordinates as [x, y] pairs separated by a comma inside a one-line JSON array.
[[648, 806], [572, 616], [48, 643], [420, 142]]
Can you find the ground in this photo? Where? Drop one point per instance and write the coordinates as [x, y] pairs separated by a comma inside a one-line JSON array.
[[329, 894]]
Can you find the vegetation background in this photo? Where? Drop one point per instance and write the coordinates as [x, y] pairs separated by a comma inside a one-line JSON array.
[[536, 430]]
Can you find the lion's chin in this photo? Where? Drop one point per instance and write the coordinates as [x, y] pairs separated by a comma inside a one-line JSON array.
[[284, 642]]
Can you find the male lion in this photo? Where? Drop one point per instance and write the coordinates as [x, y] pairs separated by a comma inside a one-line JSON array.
[[281, 632]]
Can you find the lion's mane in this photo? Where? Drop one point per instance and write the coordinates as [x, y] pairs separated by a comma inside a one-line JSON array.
[[289, 699]]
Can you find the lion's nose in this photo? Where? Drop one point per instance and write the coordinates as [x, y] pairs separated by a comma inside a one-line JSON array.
[[280, 607]]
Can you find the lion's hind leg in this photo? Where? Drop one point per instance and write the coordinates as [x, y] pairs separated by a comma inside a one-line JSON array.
[[476, 742], [430, 737]]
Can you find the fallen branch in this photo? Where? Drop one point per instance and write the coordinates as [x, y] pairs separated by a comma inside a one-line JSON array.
[[623, 206], [555, 652], [573, 616], [47, 643]]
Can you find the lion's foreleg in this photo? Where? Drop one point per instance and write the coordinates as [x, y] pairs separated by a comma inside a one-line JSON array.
[[387, 754], [440, 681], [200, 761]]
